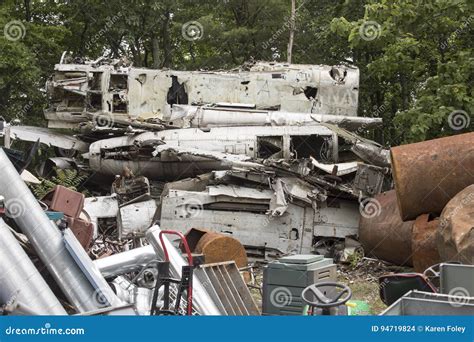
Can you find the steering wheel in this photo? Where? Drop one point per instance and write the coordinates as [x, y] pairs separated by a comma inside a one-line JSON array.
[[321, 300], [433, 271]]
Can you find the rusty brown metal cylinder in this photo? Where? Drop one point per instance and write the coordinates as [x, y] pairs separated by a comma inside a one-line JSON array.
[[428, 174], [216, 247], [424, 247], [456, 228], [386, 236]]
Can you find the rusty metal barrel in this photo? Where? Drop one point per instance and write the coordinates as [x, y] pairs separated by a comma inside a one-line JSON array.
[[386, 236], [456, 228], [428, 174], [216, 247], [424, 249]]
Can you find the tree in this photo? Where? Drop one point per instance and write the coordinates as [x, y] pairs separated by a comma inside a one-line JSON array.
[[415, 56], [409, 69], [292, 30], [29, 50]]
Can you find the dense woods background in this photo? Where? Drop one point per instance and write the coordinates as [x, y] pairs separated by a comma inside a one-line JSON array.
[[415, 56]]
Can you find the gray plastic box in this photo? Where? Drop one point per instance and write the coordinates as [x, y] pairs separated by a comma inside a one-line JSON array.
[[285, 279]]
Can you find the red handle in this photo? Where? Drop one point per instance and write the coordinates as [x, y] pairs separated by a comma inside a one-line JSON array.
[[190, 262], [183, 239]]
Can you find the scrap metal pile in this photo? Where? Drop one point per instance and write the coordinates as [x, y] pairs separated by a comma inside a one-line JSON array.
[[428, 218], [250, 164]]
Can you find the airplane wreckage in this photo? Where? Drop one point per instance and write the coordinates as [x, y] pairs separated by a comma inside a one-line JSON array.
[[269, 153]]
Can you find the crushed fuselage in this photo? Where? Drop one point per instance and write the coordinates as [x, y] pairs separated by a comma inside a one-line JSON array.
[[79, 91]]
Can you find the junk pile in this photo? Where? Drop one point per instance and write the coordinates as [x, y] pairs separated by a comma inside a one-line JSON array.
[[429, 216], [196, 174], [269, 147]]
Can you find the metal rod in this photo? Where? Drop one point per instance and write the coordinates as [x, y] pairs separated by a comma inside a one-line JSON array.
[[20, 281], [45, 237]]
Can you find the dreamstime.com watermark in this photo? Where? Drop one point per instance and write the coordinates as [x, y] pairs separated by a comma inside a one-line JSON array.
[[14, 30], [192, 30], [45, 330], [453, 36], [15, 208], [104, 119], [444, 221], [193, 208], [280, 297], [458, 296], [287, 23], [369, 207], [109, 23], [370, 30], [459, 119]]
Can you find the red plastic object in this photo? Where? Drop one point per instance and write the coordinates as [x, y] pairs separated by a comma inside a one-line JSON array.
[[190, 261], [65, 200], [82, 229]]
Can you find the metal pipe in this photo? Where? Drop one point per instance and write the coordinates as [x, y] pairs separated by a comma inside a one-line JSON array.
[[20, 281], [123, 288], [203, 117], [202, 301], [45, 237], [142, 300], [428, 174], [125, 262]]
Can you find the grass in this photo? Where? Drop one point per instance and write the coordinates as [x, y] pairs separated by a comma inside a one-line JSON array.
[[366, 291]]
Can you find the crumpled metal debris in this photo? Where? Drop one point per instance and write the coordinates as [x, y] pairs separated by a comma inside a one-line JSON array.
[[279, 174], [76, 90]]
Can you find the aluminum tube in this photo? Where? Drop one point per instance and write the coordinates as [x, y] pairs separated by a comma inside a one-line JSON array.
[[201, 117], [125, 262], [123, 288], [45, 237], [202, 302], [20, 280], [142, 299]]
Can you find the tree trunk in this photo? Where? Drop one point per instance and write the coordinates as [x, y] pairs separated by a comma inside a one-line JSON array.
[[292, 30], [155, 52], [27, 10], [167, 47]]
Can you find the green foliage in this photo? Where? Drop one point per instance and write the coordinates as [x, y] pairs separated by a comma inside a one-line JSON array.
[[419, 66], [415, 72], [68, 178], [354, 258], [27, 57]]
